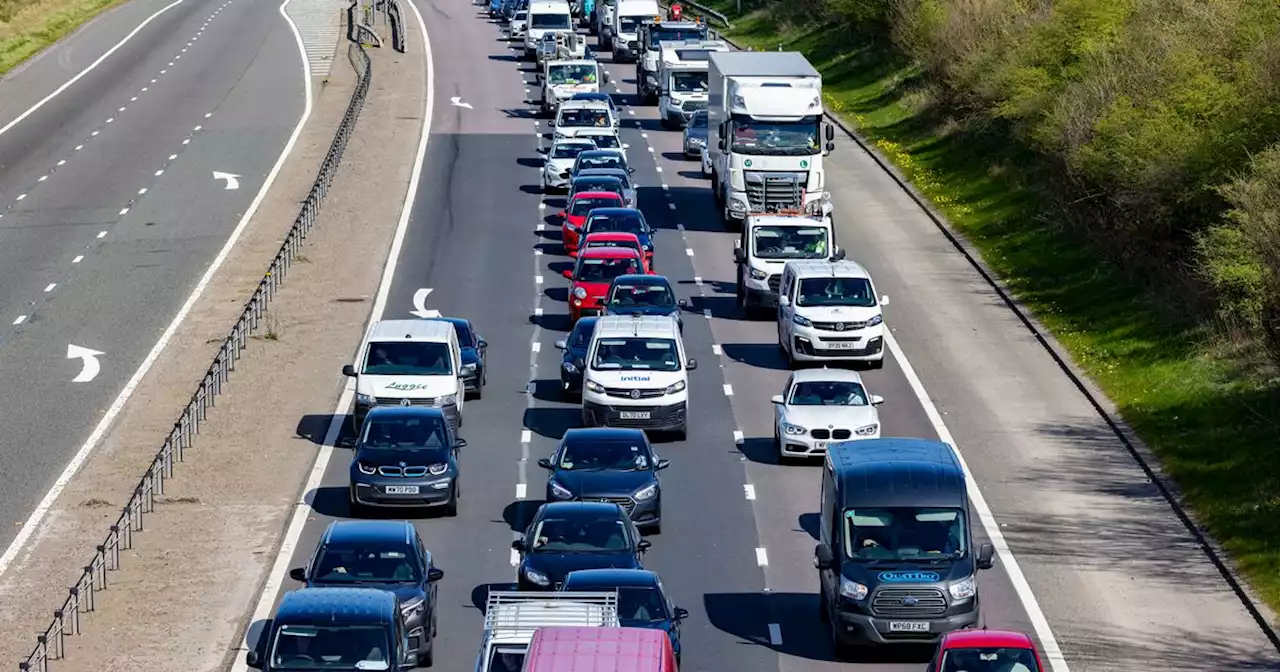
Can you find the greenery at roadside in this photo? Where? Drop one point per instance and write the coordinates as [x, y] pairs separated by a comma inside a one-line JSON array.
[[27, 28], [1117, 162]]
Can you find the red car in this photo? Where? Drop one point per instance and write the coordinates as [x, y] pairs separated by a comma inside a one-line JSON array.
[[617, 239], [575, 216], [986, 651], [592, 275]]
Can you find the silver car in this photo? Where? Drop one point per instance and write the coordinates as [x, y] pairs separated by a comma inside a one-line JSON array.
[[559, 160], [695, 135], [628, 188]]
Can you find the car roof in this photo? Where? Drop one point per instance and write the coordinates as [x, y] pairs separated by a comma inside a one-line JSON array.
[[569, 508], [825, 374], [607, 235], [613, 577], [343, 605], [411, 330], [603, 151], [573, 140], [405, 412], [810, 268], [643, 279], [604, 434], [981, 638], [615, 211], [365, 531], [455, 321], [587, 322], [609, 253], [596, 194]]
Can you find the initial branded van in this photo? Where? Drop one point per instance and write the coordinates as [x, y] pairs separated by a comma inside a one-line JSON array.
[[409, 363], [637, 375]]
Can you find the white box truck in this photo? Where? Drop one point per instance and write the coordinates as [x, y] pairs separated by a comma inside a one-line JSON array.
[[765, 134], [682, 79]]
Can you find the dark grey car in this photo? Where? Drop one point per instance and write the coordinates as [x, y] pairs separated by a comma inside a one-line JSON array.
[[406, 456], [695, 135], [628, 187]]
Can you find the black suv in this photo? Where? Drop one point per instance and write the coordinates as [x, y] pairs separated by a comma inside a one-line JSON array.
[[566, 536]]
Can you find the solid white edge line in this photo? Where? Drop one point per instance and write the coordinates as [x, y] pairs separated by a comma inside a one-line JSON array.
[[302, 510], [99, 432], [1048, 643], [775, 634], [90, 68]]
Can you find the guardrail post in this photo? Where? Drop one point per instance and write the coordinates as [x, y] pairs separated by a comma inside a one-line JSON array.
[[42, 643], [74, 598], [59, 627]]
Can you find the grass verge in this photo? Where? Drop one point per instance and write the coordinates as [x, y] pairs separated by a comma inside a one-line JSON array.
[[1207, 406], [26, 29]]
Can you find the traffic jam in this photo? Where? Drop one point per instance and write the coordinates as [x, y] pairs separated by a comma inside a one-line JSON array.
[[894, 565]]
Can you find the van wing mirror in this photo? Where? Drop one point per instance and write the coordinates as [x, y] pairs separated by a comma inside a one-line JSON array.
[[739, 255], [840, 254], [545, 463], [986, 556], [831, 133], [349, 371], [562, 345], [518, 544], [783, 301], [777, 399], [823, 558], [691, 364]]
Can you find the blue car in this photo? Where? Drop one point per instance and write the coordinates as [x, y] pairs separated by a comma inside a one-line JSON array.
[[495, 8], [646, 295], [575, 354], [642, 601], [473, 354]]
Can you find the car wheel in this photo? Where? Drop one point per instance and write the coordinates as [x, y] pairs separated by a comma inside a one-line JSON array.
[[681, 434], [451, 509], [427, 659], [479, 393], [656, 528], [823, 614], [876, 364], [742, 298]]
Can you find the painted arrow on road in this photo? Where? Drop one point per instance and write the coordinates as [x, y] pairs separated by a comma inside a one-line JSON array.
[[457, 102], [89, 364], [420, 304], [233, 181]]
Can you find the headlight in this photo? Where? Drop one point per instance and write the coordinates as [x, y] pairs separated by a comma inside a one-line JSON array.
[[852, 589], [412, 609], [963, 589], [647, 492], [677, 386], [537, 577], [647, 248], [366, 469], [365, 399], [794, 430], [579, 293], [437, 469], [447, 400], [595, 387], [801, 320], [559, 491], [468, 368], [568, 366], [868, 430], [878, 319], [757, 274], [701, 142]]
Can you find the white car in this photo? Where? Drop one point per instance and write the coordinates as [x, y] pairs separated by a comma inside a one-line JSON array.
[[605, 138], [519, 25], [559, 160], [819, 406]]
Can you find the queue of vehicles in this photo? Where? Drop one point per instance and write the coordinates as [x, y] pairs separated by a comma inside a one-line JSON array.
[[896, 559]]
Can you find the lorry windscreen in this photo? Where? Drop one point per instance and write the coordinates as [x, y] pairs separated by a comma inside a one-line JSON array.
[[689, 82], [657, 36], [789, 138], [905, 533], [630, 24], [789, 242], [331, 646]]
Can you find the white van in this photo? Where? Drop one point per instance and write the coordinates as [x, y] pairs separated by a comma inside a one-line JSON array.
[[409, 363], [637, 375], [545, 16], [627, 17], [828, 310]]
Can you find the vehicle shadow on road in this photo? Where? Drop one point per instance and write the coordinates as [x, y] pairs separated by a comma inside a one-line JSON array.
[[674, 156], [697, 210], [558, 322], [315, 428], [517, 514], [480, 594], [529, 162], [550, 249], [757, 355], [810, 523], [759, 449], [722, 307], [552, 422], [558, 294]]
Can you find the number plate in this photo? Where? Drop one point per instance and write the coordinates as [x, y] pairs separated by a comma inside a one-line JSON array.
[[820, 445], [842, 346], [908, 626], [633, 415], [402, 489]]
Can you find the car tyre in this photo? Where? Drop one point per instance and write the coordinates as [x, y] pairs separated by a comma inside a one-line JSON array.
[[429, 658], [451, 509], [823, 614], [875, 365], [681, 434], [655, 528]]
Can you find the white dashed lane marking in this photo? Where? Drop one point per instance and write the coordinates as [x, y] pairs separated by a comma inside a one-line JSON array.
[[762, 558], [750, 491]]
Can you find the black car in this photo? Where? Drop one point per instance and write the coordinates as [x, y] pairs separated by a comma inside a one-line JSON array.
[[642, 600], [567, 536], [646, 295], [596, 183], [383, 555], [473, 348], [406, 456], [575, 354], [608, 465]]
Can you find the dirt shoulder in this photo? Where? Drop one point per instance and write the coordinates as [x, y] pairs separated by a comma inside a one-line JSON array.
[[186, 587]]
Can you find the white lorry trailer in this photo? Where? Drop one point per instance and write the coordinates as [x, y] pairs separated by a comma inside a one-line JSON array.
[[682, 79], [511, 618], [765, 133]]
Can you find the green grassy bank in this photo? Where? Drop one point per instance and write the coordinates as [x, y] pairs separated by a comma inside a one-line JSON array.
[[1205, 403], [27, 28]]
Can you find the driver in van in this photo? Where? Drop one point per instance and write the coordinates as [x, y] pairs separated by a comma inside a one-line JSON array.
[[380, 357]]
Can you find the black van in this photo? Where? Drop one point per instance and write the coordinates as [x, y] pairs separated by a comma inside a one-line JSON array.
[[334, 628], [896, 563]]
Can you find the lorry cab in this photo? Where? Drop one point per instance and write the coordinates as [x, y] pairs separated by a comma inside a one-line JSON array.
[[682, 79], [511, 618], [343, 628], [896, 559], [628, 15], [545, 16], [768, 242], [637, 375], [409, 363], [600, 650], [562, 79], [649, 42]]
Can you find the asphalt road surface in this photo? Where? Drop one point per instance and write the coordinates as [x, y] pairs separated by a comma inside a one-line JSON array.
[[109, 208], [1092, 555]]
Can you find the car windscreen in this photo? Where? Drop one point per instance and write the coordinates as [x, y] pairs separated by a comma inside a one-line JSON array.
[[366, 563], [603, 141], [580, 534], [591, 455], [989, 659], [398, 432], [549, 22], [828, 393], [466, 339], [641, 606], [605, 270], [689, 82], [600, 183], [576, 73], [581, 206], [609, 160], [789, 242], [617, 223], [586, 116], [332, 647], [408, 359], [904, 533], [828, 291], [570, 150], [628, 24], [641, 295], [636, 354]]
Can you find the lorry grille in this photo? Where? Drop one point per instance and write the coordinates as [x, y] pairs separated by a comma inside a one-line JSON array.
[[770, 191], [633, 46], [889, 602], [775, 282], [398, 401]]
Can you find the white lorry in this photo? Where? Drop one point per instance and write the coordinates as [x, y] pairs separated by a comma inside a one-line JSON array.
[[682, 79], [651, 37], [564, 78], [765, 132], [511, 618], [627, 17]]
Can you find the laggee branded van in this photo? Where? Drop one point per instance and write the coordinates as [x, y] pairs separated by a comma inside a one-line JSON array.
[[637, 375], [409, 363]]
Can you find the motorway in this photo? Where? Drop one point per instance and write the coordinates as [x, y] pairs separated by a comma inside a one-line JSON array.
[[1087, 552], [109, 207]]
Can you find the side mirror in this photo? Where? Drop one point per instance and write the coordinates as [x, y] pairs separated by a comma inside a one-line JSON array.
[[644, 545], [562, 345], [481, 343], [663, 464], [349, 371], [681, 613], [682, 303], [568, 273], [545, 463], [518, 544], [542, 150], [252, 659], [434, 575], [562, 214], [604, 77], [630, 170], [839, 255], [777, 399], [739, 255], [884, 300], [298, 574], [876, 400], [460, 443], [823, 558], [831, 133], [723, 144], [783, 302], [831, 147], [986, 556], [691, 364], [626, 146]]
